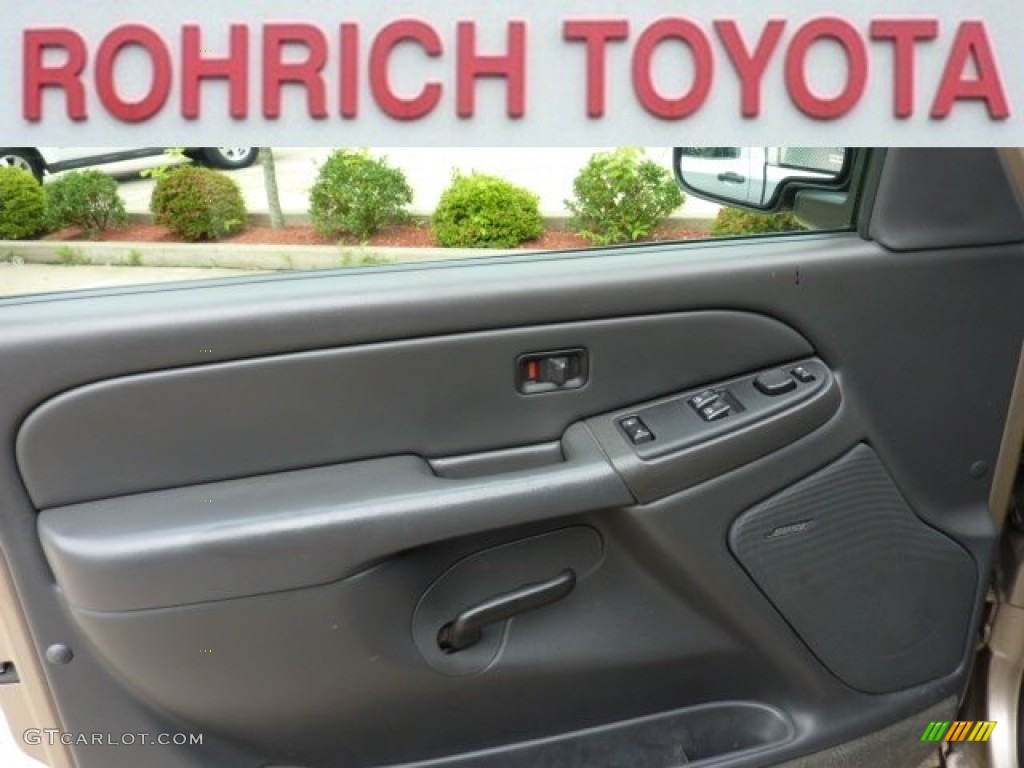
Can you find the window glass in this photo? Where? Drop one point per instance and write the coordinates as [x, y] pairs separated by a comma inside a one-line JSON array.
[[85, 217], [712, 153]]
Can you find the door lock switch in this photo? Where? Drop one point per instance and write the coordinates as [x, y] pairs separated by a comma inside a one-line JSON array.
[[775, 383], [802, 374], [716, 411], [705, 398], [552, 371], [637, 432]]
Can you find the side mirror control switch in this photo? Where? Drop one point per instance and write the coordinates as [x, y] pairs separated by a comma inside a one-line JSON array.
[[775, 382]]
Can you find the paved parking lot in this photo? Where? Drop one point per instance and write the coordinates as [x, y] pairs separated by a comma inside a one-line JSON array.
[[547, 171]]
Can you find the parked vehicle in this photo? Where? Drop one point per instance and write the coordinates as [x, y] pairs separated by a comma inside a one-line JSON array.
[[40, 161], [750, 176]]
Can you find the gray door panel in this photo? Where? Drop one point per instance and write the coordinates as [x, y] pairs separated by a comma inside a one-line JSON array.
[[433, 397], [216, 541], [370, 466]]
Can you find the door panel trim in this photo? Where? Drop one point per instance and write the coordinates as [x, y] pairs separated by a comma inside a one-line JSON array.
[[432, 397], [213, 542], [653, 478], [900, 341]]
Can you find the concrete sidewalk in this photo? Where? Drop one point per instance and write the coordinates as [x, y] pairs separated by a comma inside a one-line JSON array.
[[25, 279], [40, 267]]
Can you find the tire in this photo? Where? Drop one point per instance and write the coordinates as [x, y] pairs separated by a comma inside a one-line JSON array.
[[21, 157], [229, 158]]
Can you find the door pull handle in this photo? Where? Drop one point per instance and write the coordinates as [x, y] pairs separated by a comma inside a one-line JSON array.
[[466, 629]]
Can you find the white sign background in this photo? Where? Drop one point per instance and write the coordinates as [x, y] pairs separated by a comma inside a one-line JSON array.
[[556, 103]]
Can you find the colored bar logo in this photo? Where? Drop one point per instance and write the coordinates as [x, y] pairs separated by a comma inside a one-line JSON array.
[[960, 730]]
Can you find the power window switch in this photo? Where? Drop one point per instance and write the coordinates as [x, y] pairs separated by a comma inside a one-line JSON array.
[[802, 374], [637, 432], [705, 398], [716, 411]]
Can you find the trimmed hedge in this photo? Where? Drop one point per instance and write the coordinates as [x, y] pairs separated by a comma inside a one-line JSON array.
[[198, 204], [480, 211], [358, 194], [85, 199], [732, 222], [22, 205], [622, 196]]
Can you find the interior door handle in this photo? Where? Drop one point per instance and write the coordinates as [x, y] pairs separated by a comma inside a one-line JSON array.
[[732, 178], [466, 629]]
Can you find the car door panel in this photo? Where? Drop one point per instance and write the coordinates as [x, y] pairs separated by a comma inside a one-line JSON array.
[[370, 467], [128, 553], [243, 418]]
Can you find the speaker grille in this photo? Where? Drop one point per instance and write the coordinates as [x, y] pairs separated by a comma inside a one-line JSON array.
[[882, 599]]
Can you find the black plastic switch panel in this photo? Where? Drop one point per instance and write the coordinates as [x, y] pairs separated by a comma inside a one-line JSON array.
[[706, 397], [636, 430], [802, 374], [687, 419], [717, 410], [773, 383]]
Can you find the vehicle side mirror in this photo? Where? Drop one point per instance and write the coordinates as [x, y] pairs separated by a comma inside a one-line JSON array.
[[758, 178]]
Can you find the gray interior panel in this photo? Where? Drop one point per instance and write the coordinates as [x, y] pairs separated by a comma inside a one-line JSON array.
[[883, 600], [891, 344], [433, 397], [499, 462], [359, 691], [495, 571], [896, 746], [706, 452], [111, 396], [713, 733], [646, 631], [296, 529], [927, 200]]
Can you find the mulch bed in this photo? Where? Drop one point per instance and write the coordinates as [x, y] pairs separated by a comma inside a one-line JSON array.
[[406, 236]]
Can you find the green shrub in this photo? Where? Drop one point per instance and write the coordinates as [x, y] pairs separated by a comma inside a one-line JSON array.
[[22, 205], [621, 197], [731, 222], [198, 204], [480, 211], [88, 200], [358, 194]]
